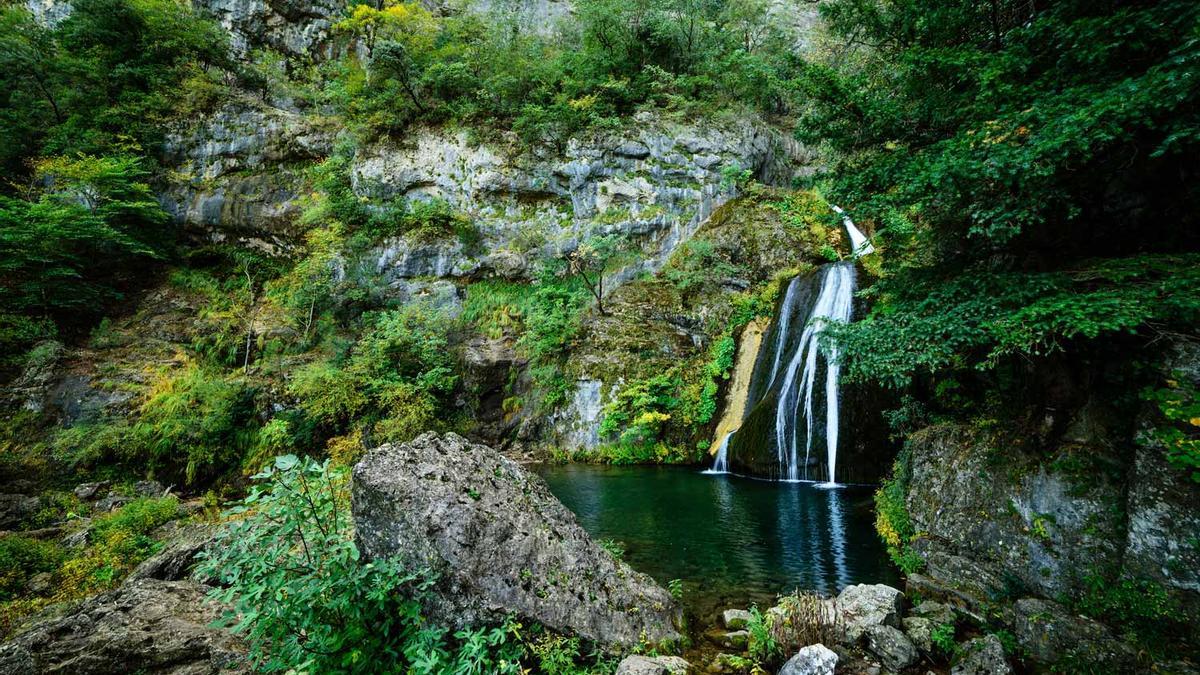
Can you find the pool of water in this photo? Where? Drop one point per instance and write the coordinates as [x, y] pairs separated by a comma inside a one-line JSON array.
[[732, 541]]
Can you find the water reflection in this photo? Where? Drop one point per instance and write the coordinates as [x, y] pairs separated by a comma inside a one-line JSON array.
[[730, 539]]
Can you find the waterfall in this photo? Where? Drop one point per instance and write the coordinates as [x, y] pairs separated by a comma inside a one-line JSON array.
[[859, 244], [721, 463], [834, 303], [781, 403]]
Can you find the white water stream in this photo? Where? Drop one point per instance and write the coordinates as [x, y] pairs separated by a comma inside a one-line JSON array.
[[835, 302]]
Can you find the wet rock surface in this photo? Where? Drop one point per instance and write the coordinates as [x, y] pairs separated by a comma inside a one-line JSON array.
[[500, 544]]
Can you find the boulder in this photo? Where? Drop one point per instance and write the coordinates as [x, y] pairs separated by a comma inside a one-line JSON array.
[[88, 491], [184, 541], [936, 612], [982, 656], [16, 508], [737, 639], [812, 660], [920, 631], [735, 619], [147, 626], [865, 605], [1047, 633], [656, 665], [499, 544], [891, 646], [112, 502], [148, 488]]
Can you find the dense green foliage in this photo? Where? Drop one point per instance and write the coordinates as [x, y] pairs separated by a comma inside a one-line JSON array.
[[81, 105], [892, 521], [1027, 199], [115, 543], [306, 601], [1179, 432], [604, 60]]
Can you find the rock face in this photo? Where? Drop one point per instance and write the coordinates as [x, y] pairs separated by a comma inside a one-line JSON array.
[[239, 176], [1162, 539], [296, 28], [147, 626], [1089, 496], [657, 665], [811, 660], [891, 646], [865, 605], [1047, 633], [989, 520], [982, 656], [500, 543]]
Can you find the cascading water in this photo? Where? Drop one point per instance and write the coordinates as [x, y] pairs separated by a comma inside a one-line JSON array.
[[834, 303], [784, 388], [721, 462], [859, 244]]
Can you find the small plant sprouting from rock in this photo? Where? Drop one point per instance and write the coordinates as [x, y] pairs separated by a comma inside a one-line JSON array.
[[615, 548], [942, 637]]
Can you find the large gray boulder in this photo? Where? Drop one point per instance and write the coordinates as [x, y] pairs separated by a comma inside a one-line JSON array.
[[148, 626], [499, 543], [865, 605]]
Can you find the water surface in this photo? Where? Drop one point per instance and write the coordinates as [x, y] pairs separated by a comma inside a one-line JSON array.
[[732, 541]]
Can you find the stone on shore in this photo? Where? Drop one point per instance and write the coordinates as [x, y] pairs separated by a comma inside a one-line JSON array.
[[812, 660]]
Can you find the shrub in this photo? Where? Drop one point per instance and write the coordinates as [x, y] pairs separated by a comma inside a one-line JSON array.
[[23, 557], [306, 601], [892, 519], [327, 393], [196, 420], [804, 619]]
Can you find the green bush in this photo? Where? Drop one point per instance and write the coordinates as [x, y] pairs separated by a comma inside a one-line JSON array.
[[194, 422], [328, 394], [306, 601], [892, 520], [23, 557]]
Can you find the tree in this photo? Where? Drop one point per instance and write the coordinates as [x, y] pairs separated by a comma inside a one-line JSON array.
[[590, 261], [1026, 165], [65, 250]]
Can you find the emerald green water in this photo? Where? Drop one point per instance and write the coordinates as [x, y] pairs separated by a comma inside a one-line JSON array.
[[732, 541]]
